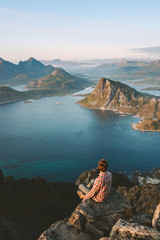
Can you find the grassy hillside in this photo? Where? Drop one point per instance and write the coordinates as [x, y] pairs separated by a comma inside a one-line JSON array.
[[59, 80]]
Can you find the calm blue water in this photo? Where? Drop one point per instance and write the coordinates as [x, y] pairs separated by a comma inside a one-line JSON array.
[[59, 142]]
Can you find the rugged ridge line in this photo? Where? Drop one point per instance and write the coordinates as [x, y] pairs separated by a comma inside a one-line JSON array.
[[29, 206]]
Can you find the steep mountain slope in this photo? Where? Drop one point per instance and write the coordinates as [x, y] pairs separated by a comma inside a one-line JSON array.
[[34, 68], [8, 70], [59, 80], [10, 95], [28, 207], [116, 96]]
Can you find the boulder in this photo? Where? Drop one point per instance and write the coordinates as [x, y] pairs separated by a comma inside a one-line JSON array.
[[61, 230], [97, 219], [156, 218], [90, 219], [115, 203], [145, 198], [126, 230]]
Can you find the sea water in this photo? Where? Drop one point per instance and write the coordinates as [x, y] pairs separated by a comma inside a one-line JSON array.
[[60, 141]]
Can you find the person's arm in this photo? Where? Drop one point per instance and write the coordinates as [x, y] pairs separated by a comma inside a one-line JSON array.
[[93, 191]]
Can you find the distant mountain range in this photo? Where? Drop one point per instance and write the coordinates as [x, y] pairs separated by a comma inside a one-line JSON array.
[[73, 66], [55, 83], [146, 71], [38, 76], [60, 63], [119, 97], [70, 66], [22, 73]]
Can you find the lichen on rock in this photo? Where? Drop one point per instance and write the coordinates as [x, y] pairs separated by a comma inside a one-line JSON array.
[[125, 230]]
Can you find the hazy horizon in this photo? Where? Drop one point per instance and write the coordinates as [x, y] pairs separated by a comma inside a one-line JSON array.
[[83, 61], [84, 30]]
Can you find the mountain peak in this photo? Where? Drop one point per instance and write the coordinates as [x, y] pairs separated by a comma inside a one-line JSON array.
[[113, 95], [31, 59], [57, 60], [105, 83], [31, 62]]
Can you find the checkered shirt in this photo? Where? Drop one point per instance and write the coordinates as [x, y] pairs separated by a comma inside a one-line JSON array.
[[101, 187]]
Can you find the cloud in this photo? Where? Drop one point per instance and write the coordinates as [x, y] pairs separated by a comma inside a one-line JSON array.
[[153, 50]]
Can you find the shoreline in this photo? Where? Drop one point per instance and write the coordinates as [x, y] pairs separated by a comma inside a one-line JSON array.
[[115, 111], [142, 130], [34, 94]]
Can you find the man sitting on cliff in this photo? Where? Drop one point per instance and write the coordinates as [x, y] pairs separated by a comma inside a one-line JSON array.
[[101, 186]]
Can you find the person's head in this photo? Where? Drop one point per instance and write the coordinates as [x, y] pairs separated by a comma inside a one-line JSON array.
[[103, 165]]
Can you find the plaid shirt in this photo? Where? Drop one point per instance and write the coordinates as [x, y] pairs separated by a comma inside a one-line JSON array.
[[101, 187]]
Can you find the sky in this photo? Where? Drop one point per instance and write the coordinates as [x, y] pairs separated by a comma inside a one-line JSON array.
[[79, 29]]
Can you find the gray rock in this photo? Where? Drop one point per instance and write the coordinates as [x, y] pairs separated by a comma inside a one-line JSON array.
[[115, 203], [156, 218], [63, 231], [98, 218], [124, 230], [90, 219], [144, 199]]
